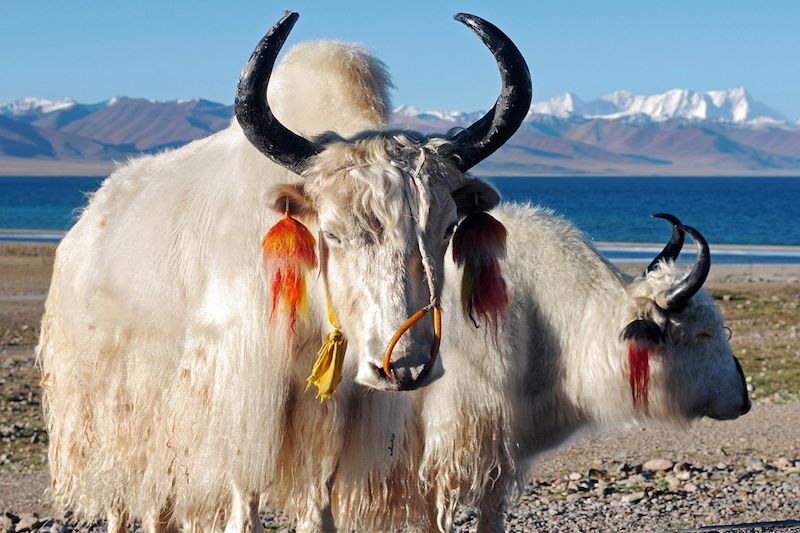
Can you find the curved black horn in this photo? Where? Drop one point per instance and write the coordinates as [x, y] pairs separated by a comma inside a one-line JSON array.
[[260, 126], [673, 247], [479, 141], [676, 298]]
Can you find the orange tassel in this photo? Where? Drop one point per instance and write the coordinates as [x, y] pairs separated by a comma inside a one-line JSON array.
[[478, 244], [289, 250]]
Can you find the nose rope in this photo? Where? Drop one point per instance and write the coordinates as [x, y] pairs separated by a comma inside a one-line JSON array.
[[434, 299]]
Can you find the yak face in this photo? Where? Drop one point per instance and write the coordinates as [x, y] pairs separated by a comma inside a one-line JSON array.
[[385, 205], [680, 363]]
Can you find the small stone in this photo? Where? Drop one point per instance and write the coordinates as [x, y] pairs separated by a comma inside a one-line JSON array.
[[657, 465], [634, 497], [595, 473], [574, 476], [782, 463], [681, 467], [27, 522], [756, 465], [674, 483], [721, 466], [690, 487], [684, 476]]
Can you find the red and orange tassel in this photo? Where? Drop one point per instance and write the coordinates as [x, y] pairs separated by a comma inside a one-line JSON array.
[[289, 250], [479, 244]]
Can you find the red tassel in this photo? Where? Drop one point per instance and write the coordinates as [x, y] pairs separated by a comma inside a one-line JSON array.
[[289, 250], [478, 244], [639, 373]]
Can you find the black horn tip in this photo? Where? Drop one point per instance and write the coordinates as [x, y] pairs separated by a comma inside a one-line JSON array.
[[666, 216], [484, 137], [673, 247], [252, 110], [678, 297], [472, 21]]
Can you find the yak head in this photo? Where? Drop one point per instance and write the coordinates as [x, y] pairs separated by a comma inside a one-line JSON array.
[[680, 363], [382, 207]]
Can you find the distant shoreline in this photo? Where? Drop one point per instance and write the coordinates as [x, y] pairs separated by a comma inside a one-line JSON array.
[[20, 167], [627, 253]]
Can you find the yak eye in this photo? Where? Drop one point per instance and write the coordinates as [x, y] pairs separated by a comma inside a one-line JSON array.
[[449, 232], [330, 237], [705, 335]]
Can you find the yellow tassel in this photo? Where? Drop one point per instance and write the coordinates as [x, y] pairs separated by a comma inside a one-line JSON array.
[[327, 371]]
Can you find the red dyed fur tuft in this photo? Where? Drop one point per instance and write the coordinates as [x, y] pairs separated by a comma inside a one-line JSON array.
[[639, 369], [478, 245], [289, 250]]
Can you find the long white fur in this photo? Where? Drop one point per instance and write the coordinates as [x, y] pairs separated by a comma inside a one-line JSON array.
[[166, 390], [560, 367]]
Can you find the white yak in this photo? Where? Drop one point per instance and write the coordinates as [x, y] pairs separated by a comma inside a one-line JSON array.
[[583, 346], [173, 385]]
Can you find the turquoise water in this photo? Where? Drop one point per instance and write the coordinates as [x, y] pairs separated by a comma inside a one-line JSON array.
[[747, 211]]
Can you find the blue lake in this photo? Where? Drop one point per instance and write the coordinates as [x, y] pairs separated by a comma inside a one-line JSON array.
[[747, 211]]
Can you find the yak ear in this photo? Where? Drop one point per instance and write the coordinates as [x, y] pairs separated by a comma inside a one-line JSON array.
[[474, 196], [291, 199], [643, 331]]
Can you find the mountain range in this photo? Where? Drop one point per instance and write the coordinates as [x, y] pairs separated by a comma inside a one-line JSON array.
[[680, 132]]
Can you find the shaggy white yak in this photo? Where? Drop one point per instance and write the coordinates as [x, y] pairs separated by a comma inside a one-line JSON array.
[[562, 363], [169, 393]]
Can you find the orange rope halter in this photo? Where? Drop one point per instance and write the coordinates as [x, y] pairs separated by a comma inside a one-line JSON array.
[[434, 303], [410, 321]]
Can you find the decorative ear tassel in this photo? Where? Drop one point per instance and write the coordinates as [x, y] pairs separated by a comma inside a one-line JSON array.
[[478, 244], [642, 336], [289, 250]]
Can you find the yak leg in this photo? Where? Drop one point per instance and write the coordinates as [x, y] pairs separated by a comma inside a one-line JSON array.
[[117, 521], [318, 517], [255, 519], [492, 508], [159, 521], [244, 513]]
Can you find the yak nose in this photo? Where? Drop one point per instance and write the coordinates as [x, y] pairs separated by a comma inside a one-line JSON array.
[[408, 378], [746, 404], [745, 407]]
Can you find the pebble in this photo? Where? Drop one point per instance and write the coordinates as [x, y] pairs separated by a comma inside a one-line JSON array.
[[634, 497], [657, 465], [754, 464], [637, 497]]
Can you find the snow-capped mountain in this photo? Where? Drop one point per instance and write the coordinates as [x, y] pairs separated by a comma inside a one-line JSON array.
[[456, 117], [676, 133], [734, 106], [29, 105]]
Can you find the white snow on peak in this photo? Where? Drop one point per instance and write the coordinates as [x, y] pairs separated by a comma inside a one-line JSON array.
[[413, 111], [570, 104], [30, 105], [734, 105]]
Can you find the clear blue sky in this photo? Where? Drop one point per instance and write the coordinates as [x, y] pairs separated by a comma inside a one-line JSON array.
[[92, 50]]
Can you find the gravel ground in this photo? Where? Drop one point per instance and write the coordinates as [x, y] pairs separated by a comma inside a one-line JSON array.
[[733, 476], [647, 479]]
